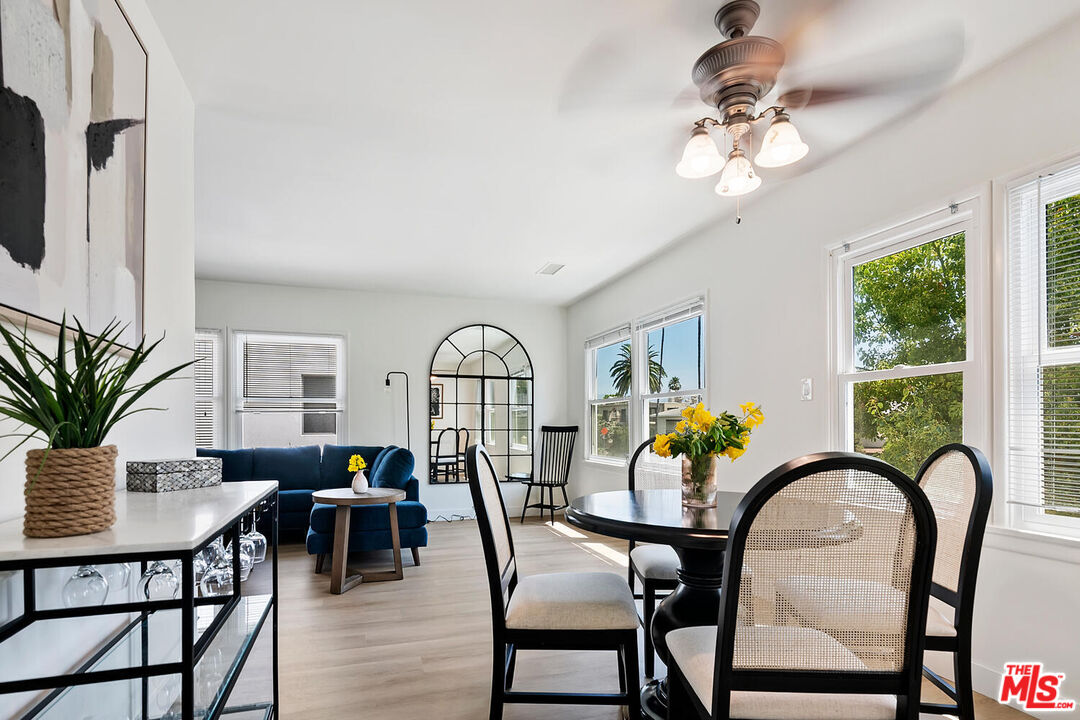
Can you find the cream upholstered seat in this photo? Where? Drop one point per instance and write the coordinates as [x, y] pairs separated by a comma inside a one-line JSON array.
[[655, 562], [572, 601], [694, 649], [868, 606]]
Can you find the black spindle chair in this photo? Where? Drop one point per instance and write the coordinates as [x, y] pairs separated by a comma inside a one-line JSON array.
[[873, 525], [556, 454], [444, 456], [554, 611]]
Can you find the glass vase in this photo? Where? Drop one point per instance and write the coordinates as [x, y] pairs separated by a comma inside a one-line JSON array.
[[699, 480]]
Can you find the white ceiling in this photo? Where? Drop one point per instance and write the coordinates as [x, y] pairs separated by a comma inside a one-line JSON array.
[[455, 147]]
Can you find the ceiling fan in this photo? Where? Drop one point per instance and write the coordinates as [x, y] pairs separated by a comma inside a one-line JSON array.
[[735, 75]]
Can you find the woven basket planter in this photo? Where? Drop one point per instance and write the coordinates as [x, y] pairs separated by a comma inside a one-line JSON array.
[[73, 493]]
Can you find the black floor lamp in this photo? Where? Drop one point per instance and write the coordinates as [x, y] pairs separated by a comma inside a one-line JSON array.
[[408, 424]]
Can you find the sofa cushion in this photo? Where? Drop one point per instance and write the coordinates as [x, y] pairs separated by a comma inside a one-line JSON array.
[[334, 469], [323, 543], [379, 458], [235, 464], [369, 517], [295, 468], [293, 501], [394, 470]]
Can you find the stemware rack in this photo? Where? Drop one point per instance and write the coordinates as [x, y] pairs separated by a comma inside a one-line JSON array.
[[178, 658]]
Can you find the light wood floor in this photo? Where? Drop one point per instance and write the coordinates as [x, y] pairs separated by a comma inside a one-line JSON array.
[[421, 647]]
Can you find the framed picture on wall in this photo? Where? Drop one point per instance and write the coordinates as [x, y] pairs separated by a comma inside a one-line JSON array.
[[436, 401]]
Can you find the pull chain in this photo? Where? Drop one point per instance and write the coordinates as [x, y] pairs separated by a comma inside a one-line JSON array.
[[738, 213]]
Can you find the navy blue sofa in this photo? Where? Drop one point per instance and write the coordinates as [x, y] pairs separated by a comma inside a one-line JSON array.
[[302, 470]]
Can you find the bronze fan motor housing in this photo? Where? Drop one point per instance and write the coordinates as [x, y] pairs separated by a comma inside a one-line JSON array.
[[733, 75]]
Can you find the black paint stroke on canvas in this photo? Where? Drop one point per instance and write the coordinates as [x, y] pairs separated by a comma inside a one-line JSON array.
[[100, 144], [22, 179]]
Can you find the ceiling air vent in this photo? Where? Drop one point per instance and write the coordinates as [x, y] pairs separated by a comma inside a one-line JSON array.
[[550, 269]]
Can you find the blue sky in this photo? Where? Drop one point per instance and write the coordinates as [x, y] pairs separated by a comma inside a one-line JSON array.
[[683, 357]]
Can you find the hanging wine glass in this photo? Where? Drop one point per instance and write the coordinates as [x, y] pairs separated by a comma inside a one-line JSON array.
[[118, 575], [86, 587], [217, 580], [158, 582], [258, 539]]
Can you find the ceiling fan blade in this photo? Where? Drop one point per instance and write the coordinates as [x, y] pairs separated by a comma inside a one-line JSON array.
[[911, 67]]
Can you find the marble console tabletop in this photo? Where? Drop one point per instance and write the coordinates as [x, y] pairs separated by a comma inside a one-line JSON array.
[[145, 522]]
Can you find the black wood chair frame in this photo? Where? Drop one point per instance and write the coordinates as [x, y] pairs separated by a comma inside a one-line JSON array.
[[649, 587], [507, 641], [905, 685], [564, 437], [963, 600]]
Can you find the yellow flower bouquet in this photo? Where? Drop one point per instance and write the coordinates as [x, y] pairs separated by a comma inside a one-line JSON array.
[[357, 463], [699, 438]]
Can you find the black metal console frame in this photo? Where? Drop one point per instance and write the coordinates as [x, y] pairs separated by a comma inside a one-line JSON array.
[[190, 651]]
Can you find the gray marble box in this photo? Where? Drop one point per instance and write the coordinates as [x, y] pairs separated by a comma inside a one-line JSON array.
[[169, 475]]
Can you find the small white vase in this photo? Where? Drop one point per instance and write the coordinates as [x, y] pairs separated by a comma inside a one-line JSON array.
[[360, 483]]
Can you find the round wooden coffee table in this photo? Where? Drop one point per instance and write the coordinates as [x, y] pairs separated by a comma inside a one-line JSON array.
[[345, 499]]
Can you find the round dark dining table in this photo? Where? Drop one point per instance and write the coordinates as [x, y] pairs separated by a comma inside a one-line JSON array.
[[699, 537]]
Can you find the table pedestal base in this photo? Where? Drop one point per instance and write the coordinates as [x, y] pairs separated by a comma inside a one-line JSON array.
[[696, 601]]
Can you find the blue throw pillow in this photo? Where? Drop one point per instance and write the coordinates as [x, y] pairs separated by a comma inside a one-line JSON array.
[[374, 464], [394, 469], [295, 468], [236, 465], [334, 471]]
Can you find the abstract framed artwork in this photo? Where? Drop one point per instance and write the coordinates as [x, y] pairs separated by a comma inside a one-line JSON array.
[[436, 401], [73, 83]]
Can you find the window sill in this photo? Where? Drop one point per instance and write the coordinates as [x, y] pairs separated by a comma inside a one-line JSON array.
[[609, 463], [1036, 544]]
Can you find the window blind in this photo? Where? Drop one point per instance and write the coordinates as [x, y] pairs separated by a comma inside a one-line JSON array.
[[671, 315], [607, 338], [283, 373], [207, 390], [1044, 343]]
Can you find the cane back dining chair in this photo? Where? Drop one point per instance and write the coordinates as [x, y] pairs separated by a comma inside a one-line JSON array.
[[770, 669], [556, 454], [555, 611], [958, 482], [654, 565]]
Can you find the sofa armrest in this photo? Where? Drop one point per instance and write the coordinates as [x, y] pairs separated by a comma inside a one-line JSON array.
[[412, 489]]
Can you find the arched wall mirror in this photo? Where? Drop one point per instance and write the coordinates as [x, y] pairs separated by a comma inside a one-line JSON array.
[[481, 390]]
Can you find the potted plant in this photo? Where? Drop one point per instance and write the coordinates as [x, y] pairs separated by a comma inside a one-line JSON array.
[[70, 397], [700, 437]]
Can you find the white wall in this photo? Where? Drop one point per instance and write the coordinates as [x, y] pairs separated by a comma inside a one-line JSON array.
[[169, 309], [387, 332], [767, 281]]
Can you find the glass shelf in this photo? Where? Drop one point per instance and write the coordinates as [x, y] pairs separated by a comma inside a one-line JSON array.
[[158, 636]]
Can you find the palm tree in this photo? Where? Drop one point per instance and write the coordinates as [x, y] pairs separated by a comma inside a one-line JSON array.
[[621, 371], [674, 383]]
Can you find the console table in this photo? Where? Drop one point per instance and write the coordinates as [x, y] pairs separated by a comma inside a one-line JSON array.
[[169, 659]]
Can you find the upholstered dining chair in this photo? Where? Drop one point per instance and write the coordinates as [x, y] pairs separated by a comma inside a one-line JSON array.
[[654, 565], [555, 611], [556, 454], [848, 516], [958, 482]]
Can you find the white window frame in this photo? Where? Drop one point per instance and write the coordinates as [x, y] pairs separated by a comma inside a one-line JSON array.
[[617, 335], [637, 402], [966, 216], [217, 396], [1016, 514], [236, 377], [686, 310]]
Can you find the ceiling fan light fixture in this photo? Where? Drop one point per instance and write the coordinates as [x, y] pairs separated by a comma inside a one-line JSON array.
[[700, 158], [738, 176], [782, 144]]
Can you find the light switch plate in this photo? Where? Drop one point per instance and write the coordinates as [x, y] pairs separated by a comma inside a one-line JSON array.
[[807, 389]]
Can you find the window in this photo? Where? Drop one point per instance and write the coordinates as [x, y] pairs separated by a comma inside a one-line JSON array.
[[290, 389], [910, 371], [639, 382], [1044, 352], [209, 398]]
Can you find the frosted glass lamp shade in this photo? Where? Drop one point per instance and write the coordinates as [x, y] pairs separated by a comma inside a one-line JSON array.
[[700, 158], [782, 144], [738, 177]]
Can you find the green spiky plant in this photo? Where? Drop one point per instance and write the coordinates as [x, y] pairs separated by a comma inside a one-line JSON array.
[[73, 396]]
